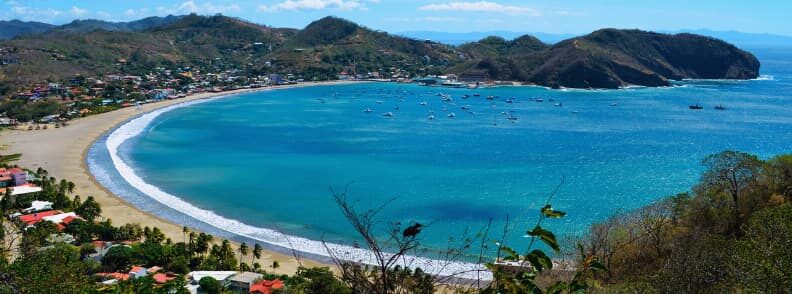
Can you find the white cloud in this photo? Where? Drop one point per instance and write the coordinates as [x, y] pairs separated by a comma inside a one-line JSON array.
[[424, 19], [481, 6], [198, 8], [294, 5], [76, 11]]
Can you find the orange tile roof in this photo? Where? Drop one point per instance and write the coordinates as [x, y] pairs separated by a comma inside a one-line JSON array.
[[266, 286], [34, 218], [162, 278]]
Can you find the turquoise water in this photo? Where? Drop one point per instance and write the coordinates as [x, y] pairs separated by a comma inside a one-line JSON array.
[[267, 159]]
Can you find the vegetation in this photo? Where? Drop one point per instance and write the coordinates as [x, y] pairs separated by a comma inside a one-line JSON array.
[[731, 234]]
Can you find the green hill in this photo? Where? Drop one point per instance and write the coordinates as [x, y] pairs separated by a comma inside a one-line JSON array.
[[607, 58]]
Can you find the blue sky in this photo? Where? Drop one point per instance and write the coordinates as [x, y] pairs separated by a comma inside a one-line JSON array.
[[551, 16]]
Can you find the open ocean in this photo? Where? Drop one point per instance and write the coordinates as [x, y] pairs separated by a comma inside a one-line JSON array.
[[267, 159]]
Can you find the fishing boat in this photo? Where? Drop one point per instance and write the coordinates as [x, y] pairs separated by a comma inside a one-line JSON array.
[[466, 107], [367, 110], [388, 114], [510, 100], [559, 104], [614, 104], [539, 100], [431, 117], [423, 103], [452, 115], [379, 101], [490, 97], [720, 107], [476, 94], [696, 106]]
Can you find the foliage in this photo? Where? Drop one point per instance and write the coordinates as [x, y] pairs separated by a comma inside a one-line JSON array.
[[210, 286], [55, 270]]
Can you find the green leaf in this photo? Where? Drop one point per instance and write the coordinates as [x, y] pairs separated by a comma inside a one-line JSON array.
[[597, 266], [558, 288], [546, 236], [539, 260], [548, 211], [510, 254]]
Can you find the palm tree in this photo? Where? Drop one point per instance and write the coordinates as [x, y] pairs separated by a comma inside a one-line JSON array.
[[243, 251], [256, 251], [185, 231]]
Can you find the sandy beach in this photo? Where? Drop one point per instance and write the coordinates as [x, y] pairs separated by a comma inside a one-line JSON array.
[[62, 151]]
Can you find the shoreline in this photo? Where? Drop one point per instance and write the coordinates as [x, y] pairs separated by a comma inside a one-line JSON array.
[[63, 153]]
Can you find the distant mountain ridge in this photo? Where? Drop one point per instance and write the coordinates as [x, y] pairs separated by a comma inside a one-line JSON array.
[[12, 28], [608, 58], [734, 37]]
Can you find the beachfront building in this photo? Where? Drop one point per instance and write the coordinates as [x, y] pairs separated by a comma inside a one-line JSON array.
[[266, 286], [243, 281], [12, 177]]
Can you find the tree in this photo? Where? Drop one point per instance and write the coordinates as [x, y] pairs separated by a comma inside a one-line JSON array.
[[243, 251], [209, 285], [118, 258], [55, 270], [733, 172], [257, 251], [89, 209]]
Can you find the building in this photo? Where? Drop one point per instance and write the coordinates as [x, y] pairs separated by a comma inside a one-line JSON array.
[[243, 281], [266, 286], [37, 206], [34, 218], [12, 177]]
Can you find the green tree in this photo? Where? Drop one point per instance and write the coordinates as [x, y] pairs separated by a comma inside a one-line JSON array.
[[55, 270], [210, 286], [89, 209]]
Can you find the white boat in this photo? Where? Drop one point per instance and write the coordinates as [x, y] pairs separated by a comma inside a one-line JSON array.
[[466, 107], [422, 103], [367, 110], [379, 101], [388, 114], [431, 117], [559, 104], [539, 100], [452, 115]]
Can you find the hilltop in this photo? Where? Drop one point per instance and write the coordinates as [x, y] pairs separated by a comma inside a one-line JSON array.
[[611, 58], [607, 58]]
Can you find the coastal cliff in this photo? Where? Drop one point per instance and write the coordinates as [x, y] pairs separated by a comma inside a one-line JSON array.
[[612, 58]]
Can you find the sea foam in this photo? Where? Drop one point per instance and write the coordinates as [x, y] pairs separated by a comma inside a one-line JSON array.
[[137, 126]]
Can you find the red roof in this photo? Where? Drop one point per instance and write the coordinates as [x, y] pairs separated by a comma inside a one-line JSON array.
[[34, 218], [266, 286], [136, 269], [162, 278]]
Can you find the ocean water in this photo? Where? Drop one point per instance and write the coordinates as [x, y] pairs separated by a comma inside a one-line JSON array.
[[249, 165]]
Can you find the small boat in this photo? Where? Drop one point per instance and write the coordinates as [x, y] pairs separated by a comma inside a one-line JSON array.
[[490, 97], [539, 100], [367, 110], [511, 117], [388, 114], [422, 103], [431, 117], [696, 106], [551, 100], [720, 107], [466, 96], [510, 100], [396, 107], [452, 115], [575, 112], [614, 104], [378, 101], [559, 104], [466, 107], [476, 94]]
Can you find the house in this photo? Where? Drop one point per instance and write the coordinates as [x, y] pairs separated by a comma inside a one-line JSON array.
[[138, 272], [220, 276], [12, 177], [37, 206], [266, 286], [243, 281], [34, 218]]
